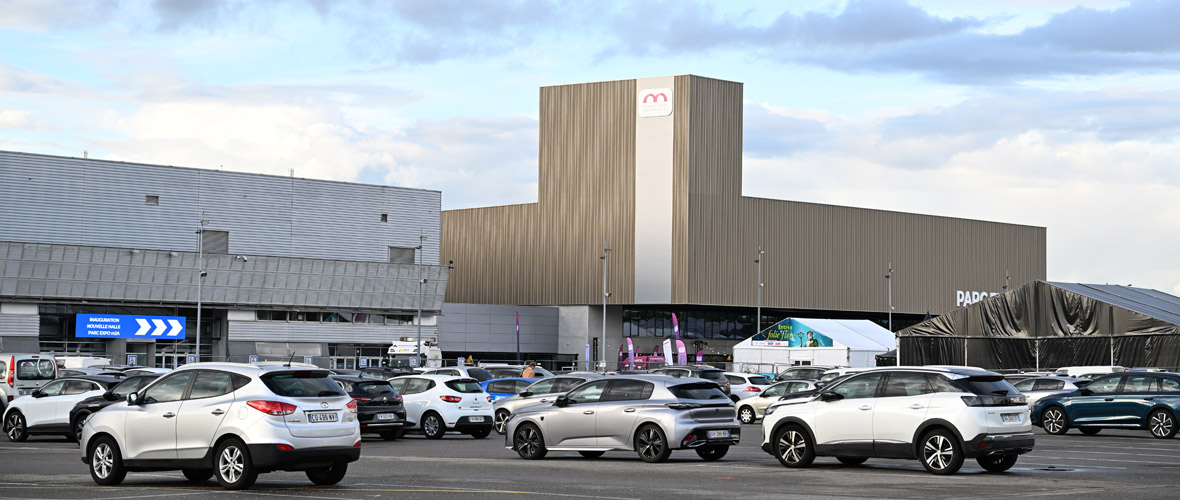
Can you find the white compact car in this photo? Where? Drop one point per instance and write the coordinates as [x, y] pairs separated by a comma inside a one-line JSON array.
[[754, 407], [47, 409], [744, 385], [440, 403], [939, 415], [229, 420]]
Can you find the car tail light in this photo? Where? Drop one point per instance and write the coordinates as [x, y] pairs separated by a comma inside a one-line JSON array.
[[451, 399], [275, 408], [399, 400], [489, 399], [351, 406], [358, 444], [683, 406], [11, 373], [1018, 400], [285, 447], [753, 389], [361, 401]]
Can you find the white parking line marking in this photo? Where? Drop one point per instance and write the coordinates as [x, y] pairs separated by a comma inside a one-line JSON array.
[[1061, 465], [1128, 454]]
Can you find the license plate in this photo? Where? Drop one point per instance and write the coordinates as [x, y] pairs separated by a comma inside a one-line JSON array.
[[1010, 417], [322, 416], [475, 419], [386, 416], [718, 434]]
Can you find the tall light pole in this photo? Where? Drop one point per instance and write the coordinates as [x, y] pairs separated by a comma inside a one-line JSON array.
[[421, 284], [758, 261], [889, 280], [200, 277], [605, 295], [1006, 280]]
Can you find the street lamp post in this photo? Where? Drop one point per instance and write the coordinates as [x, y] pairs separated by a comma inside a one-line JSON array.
[[889, 280], [200, 279], [605, 295], [421, 284], [758, 261]]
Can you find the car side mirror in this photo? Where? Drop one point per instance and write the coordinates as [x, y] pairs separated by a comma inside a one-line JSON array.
[[525, 394], [1085, 392], [133, 399], [110, 396], [36, 393], [561, 401], [830, 396]]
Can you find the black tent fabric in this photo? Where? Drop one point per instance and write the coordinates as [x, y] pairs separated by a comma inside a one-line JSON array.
[[1049, 324]]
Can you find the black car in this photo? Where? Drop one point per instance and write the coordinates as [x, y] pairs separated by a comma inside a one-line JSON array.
[[379, 407], [118, 392], [698, 371]]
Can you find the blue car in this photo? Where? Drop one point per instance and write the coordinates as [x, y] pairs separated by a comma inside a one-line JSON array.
[[1128, 400], [504, 387]]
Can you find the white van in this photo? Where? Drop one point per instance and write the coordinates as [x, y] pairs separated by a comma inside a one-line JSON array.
[[1081, 371], [21, 373]]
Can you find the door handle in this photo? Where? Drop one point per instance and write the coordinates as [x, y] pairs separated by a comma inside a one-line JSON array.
[[866, 408], [916, 406], [588, 412], [1108, 399], [218, 411], [169, 415], [544, 400], [630, 410], [1149, 398]]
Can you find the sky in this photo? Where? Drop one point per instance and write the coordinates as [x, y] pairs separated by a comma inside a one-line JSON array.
[[1063, 114]]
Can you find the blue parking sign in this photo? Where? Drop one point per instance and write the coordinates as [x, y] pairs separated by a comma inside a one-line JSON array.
[[364, 362], [307, 359], [191, 358], [133, 359], [253, 358]]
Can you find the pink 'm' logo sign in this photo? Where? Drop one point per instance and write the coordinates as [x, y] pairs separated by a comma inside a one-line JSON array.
[[655, 97]]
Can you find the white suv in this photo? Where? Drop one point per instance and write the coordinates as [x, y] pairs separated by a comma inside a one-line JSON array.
[[939, 415], [279, 418], [440, 403]]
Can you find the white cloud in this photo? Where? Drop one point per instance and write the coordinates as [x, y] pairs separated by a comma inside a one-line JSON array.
[[11, 118]]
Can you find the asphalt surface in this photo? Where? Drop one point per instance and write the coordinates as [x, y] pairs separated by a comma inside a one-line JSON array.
[[1124, 464]]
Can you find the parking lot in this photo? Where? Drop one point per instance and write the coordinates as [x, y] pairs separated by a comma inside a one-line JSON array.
[[1126, 464]]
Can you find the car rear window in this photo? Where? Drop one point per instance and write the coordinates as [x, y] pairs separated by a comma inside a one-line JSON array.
[[712, 375], [698, 391], [985, 385], [464, 385], [302, 384], [480, 374], [35, 369], [760, 380], [378, 388]]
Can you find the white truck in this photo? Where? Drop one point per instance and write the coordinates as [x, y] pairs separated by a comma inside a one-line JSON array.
[[402, 351]]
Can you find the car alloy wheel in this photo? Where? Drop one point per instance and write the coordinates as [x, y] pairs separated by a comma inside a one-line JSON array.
[[529, 442], [15, 427], [746, 415], [106, 464], [651, 444], [940, 453], [500, 421], [1162, 424], [1053, 421], [432, 426], [235, 471], [79, 423], [793, 447]]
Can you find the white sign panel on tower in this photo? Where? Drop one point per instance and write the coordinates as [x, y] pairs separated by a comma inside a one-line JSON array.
[[655, 102]]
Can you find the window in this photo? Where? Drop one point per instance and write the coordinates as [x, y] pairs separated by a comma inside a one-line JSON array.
[[401, 255], [939, 383], [861, 386], [902, 384], [589, 393], [398, 385], [775, 390], [565, 384], [151, 200], [1169, 385], [465, 386], [1109, 383], [1139, 383], [209, 384], [80, 386], [384, 217], [544, 386], [35, 369], [171, 388], [53, 388], [736, 380], [1049, 385], [129, 386], [376, 389], [418, 385], [759, 380], [520, 386], [797, 387], [504, 386], [698, 390], [215, 242], [1025, 385], [302, 384], [628, 390]]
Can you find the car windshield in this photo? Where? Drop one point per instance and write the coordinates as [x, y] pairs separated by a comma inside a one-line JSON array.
[[464, 385], [128, 386], [759, 380], [986, 384], [376, 389], [35, 369], [302, 384], [480, 374], [698, 391]]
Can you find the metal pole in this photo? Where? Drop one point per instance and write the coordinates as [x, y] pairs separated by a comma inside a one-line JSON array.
[[605, 294], [889, 281], [200, 279], [421, 282], [760, 285], [1005, 280]]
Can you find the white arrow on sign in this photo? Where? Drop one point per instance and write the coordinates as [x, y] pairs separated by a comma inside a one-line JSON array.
[[159, 327], [175, 328], [143, 326]]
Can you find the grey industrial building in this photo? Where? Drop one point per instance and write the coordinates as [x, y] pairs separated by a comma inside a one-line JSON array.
[[293, 266]]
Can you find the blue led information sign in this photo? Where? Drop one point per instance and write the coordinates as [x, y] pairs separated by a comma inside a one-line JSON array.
[[129, 326]]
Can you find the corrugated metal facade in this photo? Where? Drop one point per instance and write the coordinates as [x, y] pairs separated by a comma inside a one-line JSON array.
[[75, 201], [277, 331], [818, 256]]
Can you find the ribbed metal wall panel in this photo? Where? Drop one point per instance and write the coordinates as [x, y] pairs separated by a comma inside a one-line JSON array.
[[278, 331], [75, 201], [547, 252], [19, 325]]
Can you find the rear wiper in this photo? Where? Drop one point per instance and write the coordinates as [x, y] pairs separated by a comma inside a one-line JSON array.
[[327, 393], [1000, 393]]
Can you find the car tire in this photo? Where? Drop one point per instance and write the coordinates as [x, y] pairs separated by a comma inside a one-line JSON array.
[[327, 476], [997, 463], [713, 452], [392, 435], [1089, 431], [433, 426], [1162, 424], [78, 423], [652, 444], [747, 415], [500, 421], [15, 428], [591, 454], [941, 452], [529, 442], [481, 433], [1054, 420], [234, 468], [197, 475], [852, 460], [793, 447], [106, 462]]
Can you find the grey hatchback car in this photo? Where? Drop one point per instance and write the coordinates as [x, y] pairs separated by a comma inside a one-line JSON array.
[[648, 414]]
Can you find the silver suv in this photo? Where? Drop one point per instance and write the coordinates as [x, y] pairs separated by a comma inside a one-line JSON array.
[[649, 414], [279, 418]]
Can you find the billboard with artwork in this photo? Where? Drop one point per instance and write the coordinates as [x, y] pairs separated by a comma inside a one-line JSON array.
[[791, 333]]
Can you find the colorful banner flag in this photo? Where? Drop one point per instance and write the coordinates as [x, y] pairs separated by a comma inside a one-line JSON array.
[[701, 356], [518, 337], [675, 326], [681, 353], [622, 358], [587, 357], [631, 353], [668, 352]]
